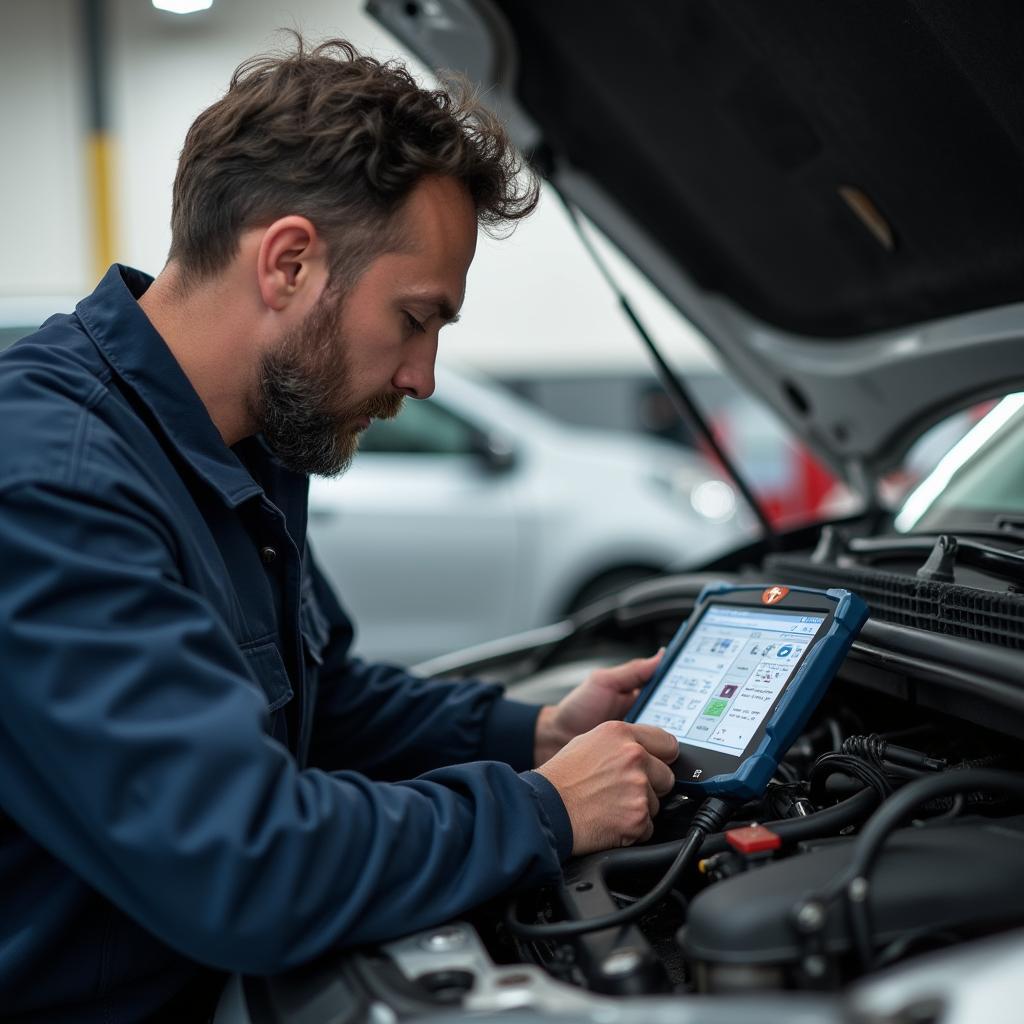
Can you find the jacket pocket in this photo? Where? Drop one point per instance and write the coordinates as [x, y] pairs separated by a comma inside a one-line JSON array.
[[267, 667]]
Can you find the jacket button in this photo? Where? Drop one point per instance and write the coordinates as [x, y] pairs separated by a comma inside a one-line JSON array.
[[268, 554]]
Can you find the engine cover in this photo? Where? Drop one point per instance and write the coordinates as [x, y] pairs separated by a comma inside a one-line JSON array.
[[959, 878]]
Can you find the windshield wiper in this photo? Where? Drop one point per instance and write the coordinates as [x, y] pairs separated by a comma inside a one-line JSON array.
[[1011, 530], [943, 552]]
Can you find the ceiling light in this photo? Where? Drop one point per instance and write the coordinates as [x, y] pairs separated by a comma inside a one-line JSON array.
[[182, 6], [714, 499]]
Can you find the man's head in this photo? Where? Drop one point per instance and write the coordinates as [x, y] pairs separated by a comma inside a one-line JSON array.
[[362, 348], [354, 196]]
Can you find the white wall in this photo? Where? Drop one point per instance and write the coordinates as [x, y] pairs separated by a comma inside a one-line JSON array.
[[169, 67], [535, 303], [44, 245]]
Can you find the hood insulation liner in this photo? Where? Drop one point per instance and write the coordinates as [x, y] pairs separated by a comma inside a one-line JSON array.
[[834, 168]]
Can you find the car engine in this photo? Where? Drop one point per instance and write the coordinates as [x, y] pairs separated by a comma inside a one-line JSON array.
[[823, 883]]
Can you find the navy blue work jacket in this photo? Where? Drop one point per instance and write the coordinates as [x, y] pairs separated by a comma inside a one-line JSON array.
[[194, 772]]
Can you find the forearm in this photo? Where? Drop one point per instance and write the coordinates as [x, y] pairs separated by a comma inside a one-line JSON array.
[[391, 725], [382, 720], [276, 866]]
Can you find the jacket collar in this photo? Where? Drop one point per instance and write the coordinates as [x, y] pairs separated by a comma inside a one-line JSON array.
[[141, 359]]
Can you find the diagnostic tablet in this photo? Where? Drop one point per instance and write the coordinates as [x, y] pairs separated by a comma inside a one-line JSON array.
[[741, 678]]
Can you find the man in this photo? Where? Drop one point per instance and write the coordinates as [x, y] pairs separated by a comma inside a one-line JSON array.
[[196, 776]]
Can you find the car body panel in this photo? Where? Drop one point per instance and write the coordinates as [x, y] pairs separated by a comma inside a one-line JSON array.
[[384, 533], [869, 344]]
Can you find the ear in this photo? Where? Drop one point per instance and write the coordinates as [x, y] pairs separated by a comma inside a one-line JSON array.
[[291, 263]]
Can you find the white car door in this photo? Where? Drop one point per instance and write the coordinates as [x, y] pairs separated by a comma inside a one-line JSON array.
[[419, 537]]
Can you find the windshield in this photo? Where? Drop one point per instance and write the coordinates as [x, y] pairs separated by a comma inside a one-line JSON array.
[[979, 482]]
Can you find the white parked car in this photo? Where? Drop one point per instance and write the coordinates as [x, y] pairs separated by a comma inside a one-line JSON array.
[[473, 515]]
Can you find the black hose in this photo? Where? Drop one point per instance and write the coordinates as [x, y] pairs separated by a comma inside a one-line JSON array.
[[853, 883], [899, 807]]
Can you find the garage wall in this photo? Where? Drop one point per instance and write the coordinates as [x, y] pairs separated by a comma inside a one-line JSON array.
[[44, 247], [170, 67], [535, 303], [163, 70]]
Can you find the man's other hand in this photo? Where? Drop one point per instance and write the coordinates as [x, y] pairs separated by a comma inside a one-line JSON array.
[[605, 695], [610, 780]]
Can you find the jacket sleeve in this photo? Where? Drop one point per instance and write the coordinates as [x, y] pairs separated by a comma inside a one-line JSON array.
[[394, 725], [134, 747]]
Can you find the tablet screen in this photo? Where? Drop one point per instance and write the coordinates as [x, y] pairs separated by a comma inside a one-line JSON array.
[[728, 675]]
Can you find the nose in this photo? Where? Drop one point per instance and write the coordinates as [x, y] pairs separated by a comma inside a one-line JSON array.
[[415, 376]]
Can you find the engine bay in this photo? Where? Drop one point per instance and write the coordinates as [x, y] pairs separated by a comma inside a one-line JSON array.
[[810, 891], [753, 915]]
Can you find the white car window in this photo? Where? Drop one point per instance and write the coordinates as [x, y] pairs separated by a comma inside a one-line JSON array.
[[424, 428]]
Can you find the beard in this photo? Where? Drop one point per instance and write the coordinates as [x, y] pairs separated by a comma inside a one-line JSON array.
[[304, 406]]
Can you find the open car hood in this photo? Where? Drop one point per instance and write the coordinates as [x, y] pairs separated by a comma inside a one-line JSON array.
[[832, 193]]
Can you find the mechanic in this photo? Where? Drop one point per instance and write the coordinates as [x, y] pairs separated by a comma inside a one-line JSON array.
[[195, 774]]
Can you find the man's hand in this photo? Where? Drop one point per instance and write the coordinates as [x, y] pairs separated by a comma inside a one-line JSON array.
[[610, 780], [606, 694]]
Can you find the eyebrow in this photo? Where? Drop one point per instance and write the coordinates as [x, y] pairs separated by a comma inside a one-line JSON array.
[[444, 307]]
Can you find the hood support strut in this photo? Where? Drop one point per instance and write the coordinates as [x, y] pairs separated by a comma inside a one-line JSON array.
[[670, 381]]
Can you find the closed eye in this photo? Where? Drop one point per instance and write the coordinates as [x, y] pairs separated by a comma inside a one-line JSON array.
[[414, 323]]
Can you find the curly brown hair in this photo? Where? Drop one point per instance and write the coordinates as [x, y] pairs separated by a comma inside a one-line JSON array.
[[341, 138]]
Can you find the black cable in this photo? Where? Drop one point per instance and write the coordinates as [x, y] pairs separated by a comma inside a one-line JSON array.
[[914, 758], [863, 770], [869, 748], [826, 822], [902, 772], [713, 813], [877, 749]]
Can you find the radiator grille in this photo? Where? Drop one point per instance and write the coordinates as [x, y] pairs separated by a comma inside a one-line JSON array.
[[992, 618]]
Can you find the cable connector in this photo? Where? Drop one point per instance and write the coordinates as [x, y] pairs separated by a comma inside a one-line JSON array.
[[876, 749], [712, 814]]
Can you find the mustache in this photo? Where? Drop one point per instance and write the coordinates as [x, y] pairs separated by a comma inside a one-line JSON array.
[[385, 406]]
